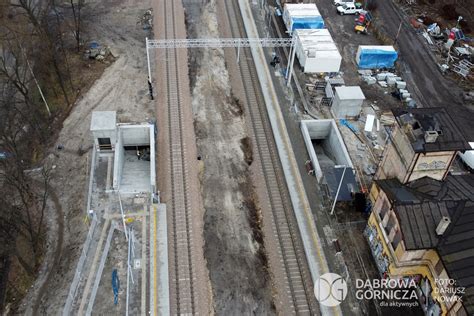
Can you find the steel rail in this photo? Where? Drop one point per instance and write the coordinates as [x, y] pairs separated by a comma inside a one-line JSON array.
[[298, 287], [219, 42], [184, 297]]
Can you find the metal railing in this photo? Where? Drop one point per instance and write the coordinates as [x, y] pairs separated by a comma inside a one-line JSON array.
[[80, 267]]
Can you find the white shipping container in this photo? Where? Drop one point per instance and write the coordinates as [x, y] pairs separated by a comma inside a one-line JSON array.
[[292, 10], [316, 51]]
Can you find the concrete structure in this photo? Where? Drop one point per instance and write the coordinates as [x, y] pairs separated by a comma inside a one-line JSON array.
[[423, 231], [103, 128], [133, 148], [302, 16], [316, 51], [329, 156], [347, 101], [424, 142]]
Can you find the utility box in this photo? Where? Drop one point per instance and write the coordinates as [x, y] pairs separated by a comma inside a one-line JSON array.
[[316, 51], [347, 101], [302, 16], [376, 57]]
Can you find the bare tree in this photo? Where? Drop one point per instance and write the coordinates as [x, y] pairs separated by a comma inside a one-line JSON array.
[[76, 13]]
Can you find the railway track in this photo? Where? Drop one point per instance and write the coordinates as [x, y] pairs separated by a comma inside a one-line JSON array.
[[184, 299], [297, 283]]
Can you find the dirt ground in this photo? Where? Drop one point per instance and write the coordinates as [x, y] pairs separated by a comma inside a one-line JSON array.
[[233, 250], [122, 87], [416, 64]]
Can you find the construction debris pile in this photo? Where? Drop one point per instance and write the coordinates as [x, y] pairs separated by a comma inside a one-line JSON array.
[[389, 81], [146, 20], [97, 52]]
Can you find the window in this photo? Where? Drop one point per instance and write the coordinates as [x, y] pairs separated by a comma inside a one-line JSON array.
[[384, 209], [390, 225], [396, 239], [439, 267], [104, 143]]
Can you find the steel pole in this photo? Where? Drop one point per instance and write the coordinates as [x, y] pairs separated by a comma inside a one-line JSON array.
[[238, 52], [150, 86], [292, 60], [289, 61], [338, 189], [123, 216]]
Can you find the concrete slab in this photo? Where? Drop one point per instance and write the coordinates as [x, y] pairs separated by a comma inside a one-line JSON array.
[[135, 174]]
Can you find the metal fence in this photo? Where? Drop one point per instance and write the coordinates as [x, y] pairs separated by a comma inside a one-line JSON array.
[[80, 266]]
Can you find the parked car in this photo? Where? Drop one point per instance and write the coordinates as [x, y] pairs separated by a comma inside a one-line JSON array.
[[349, 8]]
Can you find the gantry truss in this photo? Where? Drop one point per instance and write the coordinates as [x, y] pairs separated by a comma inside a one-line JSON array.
[[220, 42]]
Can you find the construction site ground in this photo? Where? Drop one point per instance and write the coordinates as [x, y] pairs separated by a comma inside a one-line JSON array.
[[122, 88], [416, 63], [234, 251], [235, 258], [346, 225]]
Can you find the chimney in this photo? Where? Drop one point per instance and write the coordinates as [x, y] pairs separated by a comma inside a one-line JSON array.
[[442, 225], [431, 136]]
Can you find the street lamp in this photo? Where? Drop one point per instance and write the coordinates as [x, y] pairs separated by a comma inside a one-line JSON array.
[[460, 18]]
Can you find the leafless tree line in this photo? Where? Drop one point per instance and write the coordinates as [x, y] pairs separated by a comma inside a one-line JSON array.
[[37, 38]]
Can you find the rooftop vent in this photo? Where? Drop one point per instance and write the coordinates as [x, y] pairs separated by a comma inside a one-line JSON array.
[[431, 136], [442, 225]]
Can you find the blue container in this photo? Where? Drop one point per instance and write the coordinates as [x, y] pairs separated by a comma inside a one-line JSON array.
[[377, 58], [313, 22]]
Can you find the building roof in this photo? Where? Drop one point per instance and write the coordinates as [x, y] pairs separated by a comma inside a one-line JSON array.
[[302, 9], [350, 93], [457, 251], [418, 222], [417, 121], [453, 188], [421, 205], [396, 192], [103, 120]]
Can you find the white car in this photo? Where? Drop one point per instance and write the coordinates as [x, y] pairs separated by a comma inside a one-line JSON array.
[[348, 8]]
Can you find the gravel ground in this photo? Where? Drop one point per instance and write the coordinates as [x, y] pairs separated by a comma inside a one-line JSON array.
[[122, 87], [233, 243]]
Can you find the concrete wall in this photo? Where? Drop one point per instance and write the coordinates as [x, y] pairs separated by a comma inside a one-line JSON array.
[[346, 108], [151, 136], [135, 135], [333, 142], [118, 161], [130, 135]]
